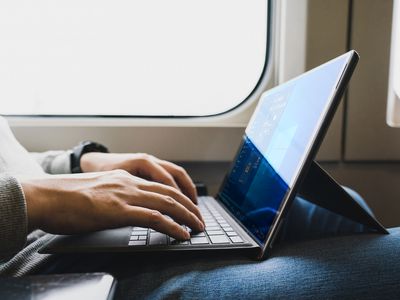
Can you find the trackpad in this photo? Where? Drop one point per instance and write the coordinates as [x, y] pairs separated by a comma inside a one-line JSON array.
[[100, 239]]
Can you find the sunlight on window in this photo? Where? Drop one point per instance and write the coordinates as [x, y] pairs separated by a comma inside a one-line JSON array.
[[124, 57]]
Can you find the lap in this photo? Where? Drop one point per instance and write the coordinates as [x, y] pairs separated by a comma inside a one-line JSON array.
[[357, 266], [301, 266], [352, 266]]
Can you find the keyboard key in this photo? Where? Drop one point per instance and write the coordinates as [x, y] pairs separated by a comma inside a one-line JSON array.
[[198, 234], [157, 238], [236, 239], [219, 239], [139, 228], [134, 237], [215, 232], [227, 229], [137, 243], [142, 237], [231, 233], [139, 232], [198, 240], [173, 241], [213, 228], [211, 224]]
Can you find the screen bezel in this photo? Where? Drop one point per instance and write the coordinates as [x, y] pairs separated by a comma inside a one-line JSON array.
[[310, 152]]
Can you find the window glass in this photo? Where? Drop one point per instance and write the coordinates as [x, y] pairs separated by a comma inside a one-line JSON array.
[[130, 57]]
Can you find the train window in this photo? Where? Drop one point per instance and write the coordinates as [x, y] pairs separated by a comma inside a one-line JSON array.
[[130, 58]]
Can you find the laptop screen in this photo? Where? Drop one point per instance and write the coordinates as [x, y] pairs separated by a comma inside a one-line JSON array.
[[275, 146]]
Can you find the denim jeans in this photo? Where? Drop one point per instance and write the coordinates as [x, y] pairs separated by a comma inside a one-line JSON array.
[[320, 255]]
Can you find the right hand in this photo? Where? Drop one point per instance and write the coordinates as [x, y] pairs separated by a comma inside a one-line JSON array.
[[78, 203]]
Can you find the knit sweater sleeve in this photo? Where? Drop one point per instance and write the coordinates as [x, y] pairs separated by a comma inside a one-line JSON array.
[[54, 162], [13, 217]]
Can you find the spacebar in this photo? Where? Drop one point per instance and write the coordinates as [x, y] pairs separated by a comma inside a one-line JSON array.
[[157, 238]]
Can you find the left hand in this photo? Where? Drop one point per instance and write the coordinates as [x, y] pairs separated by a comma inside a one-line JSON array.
[[142, 165]]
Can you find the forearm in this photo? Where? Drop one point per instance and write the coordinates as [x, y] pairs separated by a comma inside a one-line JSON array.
[[13, 217]]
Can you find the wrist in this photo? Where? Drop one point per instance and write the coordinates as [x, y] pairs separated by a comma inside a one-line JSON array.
[[33, 204], [92, 162]]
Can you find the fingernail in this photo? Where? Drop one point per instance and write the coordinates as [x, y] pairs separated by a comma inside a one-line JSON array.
[[187, 235], [201, 225]]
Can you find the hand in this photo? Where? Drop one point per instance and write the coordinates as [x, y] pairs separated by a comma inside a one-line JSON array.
[[142, 165], [69, 204]]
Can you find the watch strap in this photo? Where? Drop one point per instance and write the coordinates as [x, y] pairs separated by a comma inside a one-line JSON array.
[[79, 150]]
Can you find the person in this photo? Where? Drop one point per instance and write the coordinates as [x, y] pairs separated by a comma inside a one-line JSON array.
[[39, 196]]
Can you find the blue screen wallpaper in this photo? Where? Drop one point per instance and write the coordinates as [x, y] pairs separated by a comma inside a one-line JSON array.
[[251, 181]]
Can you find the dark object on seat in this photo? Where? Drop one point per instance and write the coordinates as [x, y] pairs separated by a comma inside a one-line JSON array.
[[96, 286]]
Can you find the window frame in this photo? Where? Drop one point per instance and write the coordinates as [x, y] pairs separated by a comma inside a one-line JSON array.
[[229, 118]]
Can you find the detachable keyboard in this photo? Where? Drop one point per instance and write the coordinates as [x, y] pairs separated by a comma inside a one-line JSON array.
[[217, 231]]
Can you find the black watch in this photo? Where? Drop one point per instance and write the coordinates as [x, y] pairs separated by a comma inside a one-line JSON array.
[[82, 148]]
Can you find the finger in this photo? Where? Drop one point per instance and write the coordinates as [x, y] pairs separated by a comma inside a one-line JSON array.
[[174, 193], [169, 206], [182, 178], [144, 217], [155, 172]]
